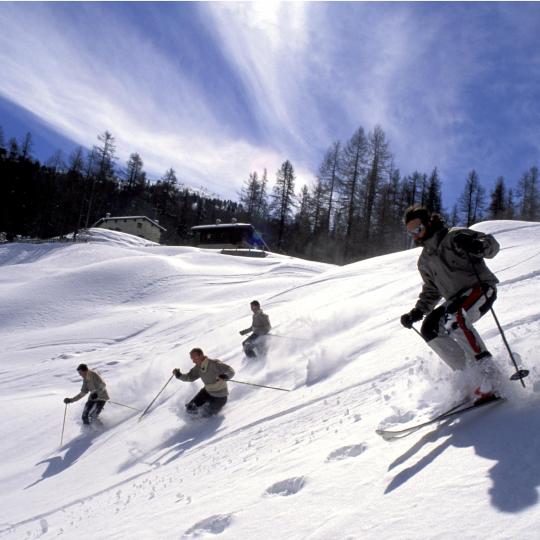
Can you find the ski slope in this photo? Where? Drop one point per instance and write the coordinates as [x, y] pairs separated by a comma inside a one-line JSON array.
[[304, 464]]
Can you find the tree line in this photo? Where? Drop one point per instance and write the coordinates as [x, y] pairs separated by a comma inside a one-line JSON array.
[[352, 211]]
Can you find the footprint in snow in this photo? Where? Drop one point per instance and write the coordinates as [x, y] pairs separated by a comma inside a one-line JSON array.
[[214, 524], [345, 452], [287, 487], [44, 526]]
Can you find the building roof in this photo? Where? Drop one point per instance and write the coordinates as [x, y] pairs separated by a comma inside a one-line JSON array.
[[221, 226], [114, 218]]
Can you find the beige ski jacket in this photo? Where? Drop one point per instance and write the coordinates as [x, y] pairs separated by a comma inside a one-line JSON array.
[[93, 383], [209, 373], [260, 324]]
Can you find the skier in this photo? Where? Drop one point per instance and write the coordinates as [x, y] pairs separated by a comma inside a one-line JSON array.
[[256, 344], [452, 267], [93, 383], [214, 375]]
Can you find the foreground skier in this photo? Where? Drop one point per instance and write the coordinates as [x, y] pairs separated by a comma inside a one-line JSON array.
[[452, 267], [214, 375], [94, 384]]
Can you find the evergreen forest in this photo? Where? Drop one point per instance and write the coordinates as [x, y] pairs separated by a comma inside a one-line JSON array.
[[352, 211]]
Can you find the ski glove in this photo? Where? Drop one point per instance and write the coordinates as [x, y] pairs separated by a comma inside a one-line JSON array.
[[177, 373], [67, 400], [223, 377], [93, 396], [469, 243], [408, 319], [244, 332]]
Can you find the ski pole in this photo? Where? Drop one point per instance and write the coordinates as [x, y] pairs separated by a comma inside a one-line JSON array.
[[158, 394], [63, 424], [122, 405], [520, 374], [260, 385]]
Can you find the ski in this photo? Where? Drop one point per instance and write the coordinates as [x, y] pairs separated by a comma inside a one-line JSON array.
[[460, 408]]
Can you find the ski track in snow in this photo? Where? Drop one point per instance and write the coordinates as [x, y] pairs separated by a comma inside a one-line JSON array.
[[352, 368]]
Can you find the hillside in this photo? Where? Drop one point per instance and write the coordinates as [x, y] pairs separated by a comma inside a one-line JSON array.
[[304, 464]]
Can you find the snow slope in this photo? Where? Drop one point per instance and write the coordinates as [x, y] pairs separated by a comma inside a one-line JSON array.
[[304, 464]]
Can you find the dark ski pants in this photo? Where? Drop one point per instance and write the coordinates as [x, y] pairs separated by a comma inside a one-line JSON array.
[[211, 404], [92, 409], [255, 345], [449, 329]]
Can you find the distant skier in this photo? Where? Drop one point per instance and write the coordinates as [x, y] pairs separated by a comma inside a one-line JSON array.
[[449, 264], [214, 374], [93, 383], [256, 344]]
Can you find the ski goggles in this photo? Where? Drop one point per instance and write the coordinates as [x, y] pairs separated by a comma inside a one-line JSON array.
[[416, 231]]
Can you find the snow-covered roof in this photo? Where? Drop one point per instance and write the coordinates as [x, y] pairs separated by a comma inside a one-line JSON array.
[[116, 218], [221, 226]]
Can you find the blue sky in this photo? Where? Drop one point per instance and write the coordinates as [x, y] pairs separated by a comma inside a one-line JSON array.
[[217, 90]]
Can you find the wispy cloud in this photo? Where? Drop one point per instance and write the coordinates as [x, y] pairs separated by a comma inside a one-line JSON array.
[[317, 71], [83, 80], [217, 90]]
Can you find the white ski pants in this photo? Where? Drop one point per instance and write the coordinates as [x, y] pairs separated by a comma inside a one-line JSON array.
[[449, 329]]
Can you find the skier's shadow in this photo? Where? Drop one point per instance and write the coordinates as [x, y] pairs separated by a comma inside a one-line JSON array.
[[189, 436], [57, 464], [506, 435]]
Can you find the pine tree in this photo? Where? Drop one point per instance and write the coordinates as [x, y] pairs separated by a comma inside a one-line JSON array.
[[102, 158], [13, 146], [530, 203], [497, 206], [261, 207], [303, 217], [283, 198], [390, 208], [164, 194], [453, 220], [353, 166], [378, 165], [433, 200], [413, 188], [26, 146], [135, 175], [328, 183], [105, 156], [169, 178], [56, 162], [319, 207], [472, 199], [250, 194], [423, 189], [76, 161], [510, 205]]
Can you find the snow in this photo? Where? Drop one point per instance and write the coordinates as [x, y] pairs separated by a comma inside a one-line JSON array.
[[304, 464]]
